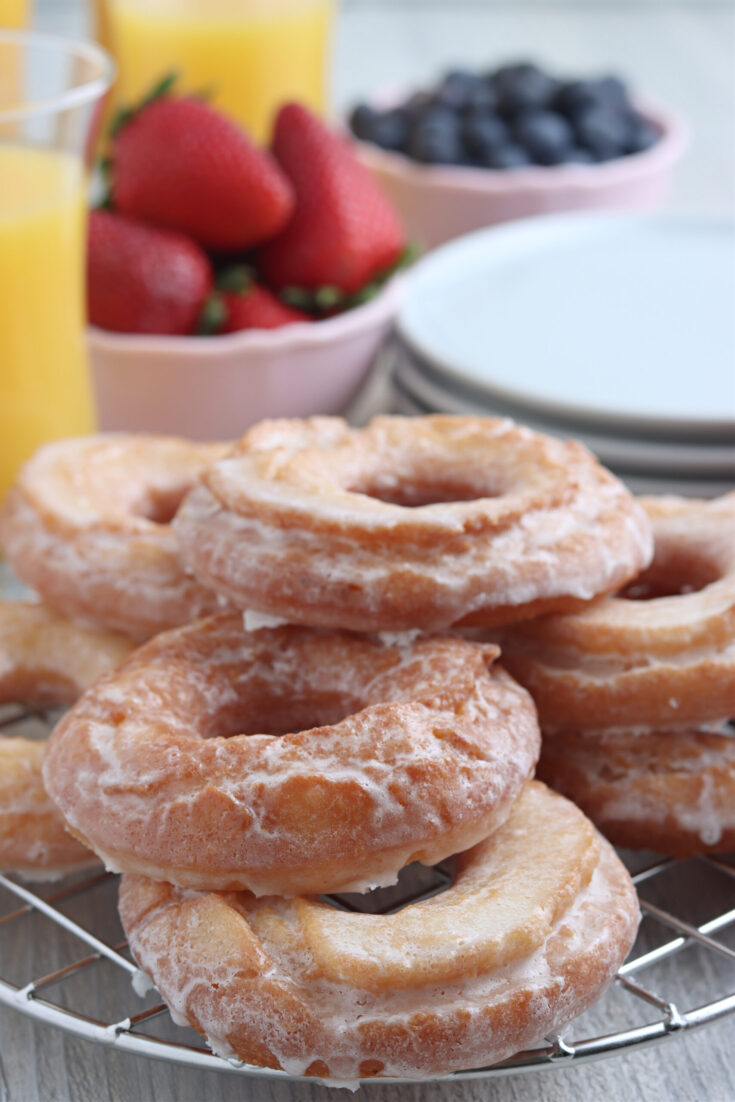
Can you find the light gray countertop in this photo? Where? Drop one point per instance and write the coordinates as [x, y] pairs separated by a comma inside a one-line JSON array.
[[680, 54]]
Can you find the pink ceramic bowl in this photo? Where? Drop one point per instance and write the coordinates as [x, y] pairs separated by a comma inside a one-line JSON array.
[[439, 202], [213, 388]]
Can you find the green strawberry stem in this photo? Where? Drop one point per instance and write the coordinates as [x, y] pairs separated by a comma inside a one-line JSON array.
[[123, 116], [213, 315], [104, 167], [328, 299], [119, 120], [237, 277]]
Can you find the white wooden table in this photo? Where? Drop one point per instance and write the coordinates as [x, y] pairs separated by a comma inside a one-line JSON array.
[[680, 54]]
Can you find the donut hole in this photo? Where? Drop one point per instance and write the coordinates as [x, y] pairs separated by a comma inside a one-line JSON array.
[[275, 714], [435, 476], [416, 882], [413, 495], [673, 573], [160, 504], [20, 721], [217, 682]]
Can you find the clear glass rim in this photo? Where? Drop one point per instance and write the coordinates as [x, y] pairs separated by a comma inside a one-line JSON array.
[[79, 94]]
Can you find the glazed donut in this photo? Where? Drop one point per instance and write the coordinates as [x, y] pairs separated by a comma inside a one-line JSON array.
[[44, 662], [87, 527], [395, 754], [411, 523], [536, 923], [668, 660], [671, 791]]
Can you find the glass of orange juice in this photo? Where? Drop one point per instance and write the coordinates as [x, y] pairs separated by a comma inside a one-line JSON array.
[[248, 56], [47, 114], [15, 13]]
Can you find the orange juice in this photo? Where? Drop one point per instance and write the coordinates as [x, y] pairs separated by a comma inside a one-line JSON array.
[[100, 18], [248, 55], [14, 13], [43, 371]]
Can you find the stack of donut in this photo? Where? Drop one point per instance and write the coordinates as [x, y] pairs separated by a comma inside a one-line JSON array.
[[330, 725], [636, 693]]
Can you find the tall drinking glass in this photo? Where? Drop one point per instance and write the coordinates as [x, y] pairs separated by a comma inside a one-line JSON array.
[[15, 13], [248, 56], [47, 120]]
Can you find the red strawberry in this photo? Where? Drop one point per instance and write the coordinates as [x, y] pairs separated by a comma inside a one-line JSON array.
[[179, 163], [344, 231], [141, 279], [257, 308]]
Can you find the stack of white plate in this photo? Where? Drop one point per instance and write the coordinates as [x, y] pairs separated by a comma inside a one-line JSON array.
[[615, 330]]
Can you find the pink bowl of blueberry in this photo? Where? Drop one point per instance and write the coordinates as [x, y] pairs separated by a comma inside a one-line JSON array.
[[482, 148]]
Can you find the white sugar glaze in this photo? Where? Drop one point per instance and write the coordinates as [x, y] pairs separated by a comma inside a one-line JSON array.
[[491, 522], [256, 976], [670, 790], [87, 526], [654, 663], [44, 662], [408, 753]]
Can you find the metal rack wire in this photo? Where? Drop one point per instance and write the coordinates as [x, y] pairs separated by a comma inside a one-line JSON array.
[[631, 1015]]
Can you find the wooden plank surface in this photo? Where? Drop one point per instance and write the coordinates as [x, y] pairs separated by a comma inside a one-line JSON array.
[[680, 54]]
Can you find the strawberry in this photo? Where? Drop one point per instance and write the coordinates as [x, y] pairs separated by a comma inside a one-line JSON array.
[[179, 163], [257, 308], [241, 303], [141, 279], [343, 231]]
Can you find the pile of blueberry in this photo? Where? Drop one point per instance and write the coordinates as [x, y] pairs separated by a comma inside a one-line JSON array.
[[517, 115]]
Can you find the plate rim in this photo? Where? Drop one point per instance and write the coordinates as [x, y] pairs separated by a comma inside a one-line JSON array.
[[527, 234], [406, 370], [640, 483]]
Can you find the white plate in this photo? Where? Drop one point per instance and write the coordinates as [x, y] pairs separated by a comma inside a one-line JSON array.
[[620, 321], [660, 456], [637, 482]]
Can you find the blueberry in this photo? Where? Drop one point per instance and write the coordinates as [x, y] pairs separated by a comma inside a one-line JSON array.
[[390, 130], [515, 116], [613, 91], [483, 132], [483, 99], [579, 156], [434, 144], [417, 103], [546, 136], [576, 96], [522, 87], [642, 134], [436, 116], [506, 156], [603, 132], [362, 121], [457, 88]]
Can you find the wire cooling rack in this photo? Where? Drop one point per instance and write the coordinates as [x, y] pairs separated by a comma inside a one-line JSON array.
[[64, 962]]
